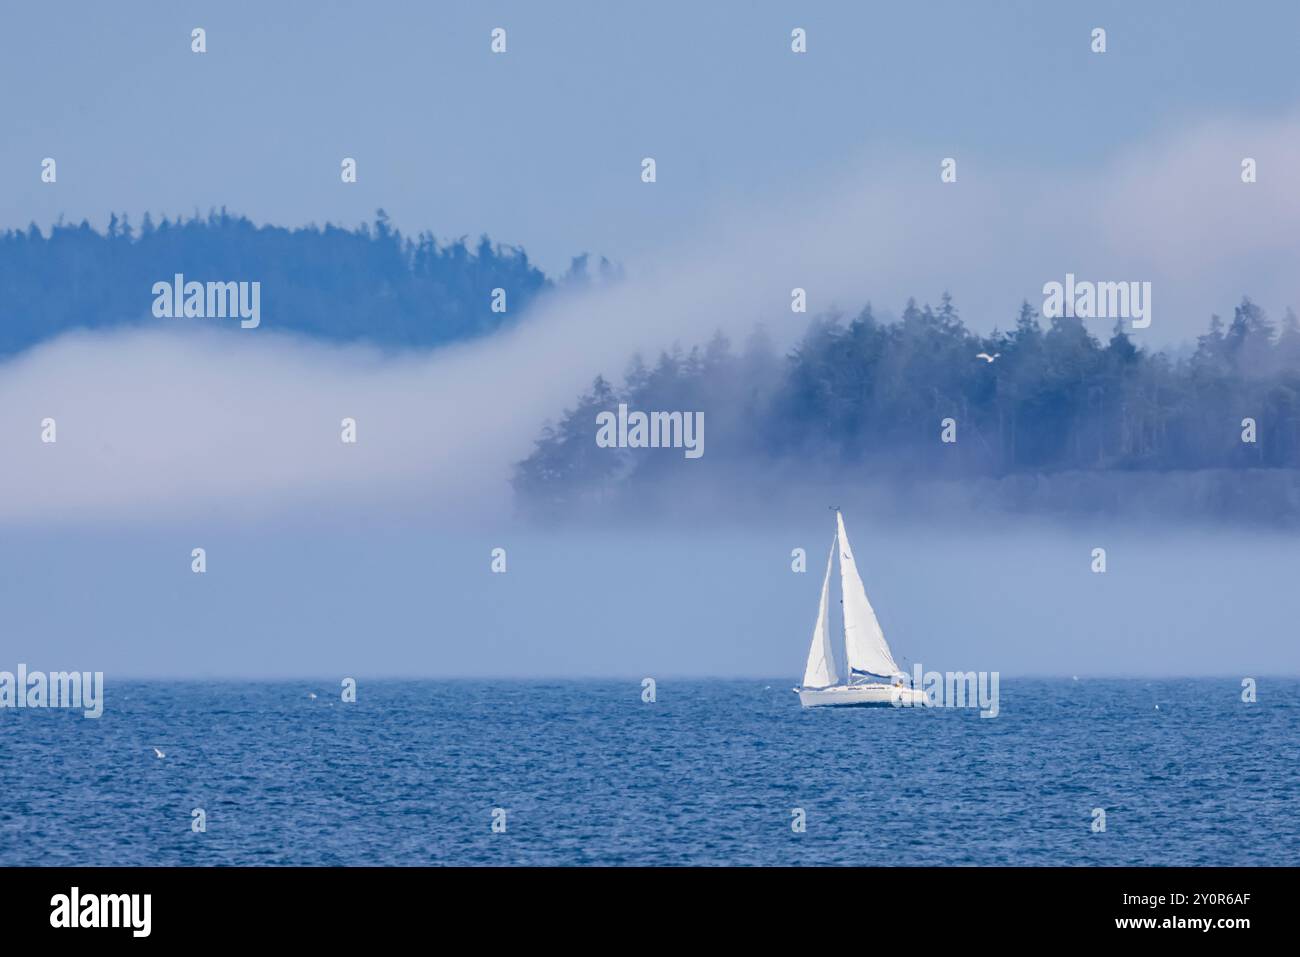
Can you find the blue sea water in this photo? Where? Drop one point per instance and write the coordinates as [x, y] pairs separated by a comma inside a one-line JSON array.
[[709, 773]]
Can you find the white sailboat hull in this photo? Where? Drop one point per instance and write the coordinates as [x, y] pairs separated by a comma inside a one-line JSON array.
[[862, 696]]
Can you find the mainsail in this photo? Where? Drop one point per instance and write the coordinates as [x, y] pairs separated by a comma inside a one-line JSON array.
[[864, 642], [820, 670]]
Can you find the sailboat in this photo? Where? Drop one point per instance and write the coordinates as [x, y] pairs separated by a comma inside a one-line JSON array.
[[873, 677]]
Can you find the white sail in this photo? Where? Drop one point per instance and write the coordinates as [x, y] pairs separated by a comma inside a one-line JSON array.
[[820, 670], [864, 643]]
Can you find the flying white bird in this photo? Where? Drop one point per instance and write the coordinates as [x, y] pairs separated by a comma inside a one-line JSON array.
[[986, 357], [312, 695], [158, 754]]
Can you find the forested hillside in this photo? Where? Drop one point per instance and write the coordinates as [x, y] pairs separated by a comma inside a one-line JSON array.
[[369, 283], [871, 396]]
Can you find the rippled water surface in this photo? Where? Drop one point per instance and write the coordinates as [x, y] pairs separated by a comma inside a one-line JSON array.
[[708, 774]]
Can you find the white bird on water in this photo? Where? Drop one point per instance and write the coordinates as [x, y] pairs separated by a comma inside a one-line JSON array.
[[312, 695], [986, 357], [158, 754]]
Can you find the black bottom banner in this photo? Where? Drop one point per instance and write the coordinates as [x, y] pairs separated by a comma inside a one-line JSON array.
[[334, 905]]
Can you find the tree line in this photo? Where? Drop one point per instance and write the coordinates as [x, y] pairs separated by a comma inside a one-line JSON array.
[[872, 395], [368, 283]]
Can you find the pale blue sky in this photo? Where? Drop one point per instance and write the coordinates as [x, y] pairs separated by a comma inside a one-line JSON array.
[[541, 146]]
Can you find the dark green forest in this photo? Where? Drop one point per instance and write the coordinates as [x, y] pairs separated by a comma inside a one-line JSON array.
[[871, 395], [369, 283]]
